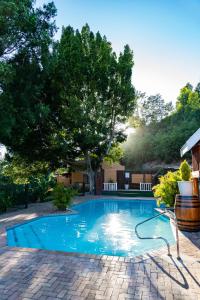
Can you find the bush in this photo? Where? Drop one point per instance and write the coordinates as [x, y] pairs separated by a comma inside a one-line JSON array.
[[12, 195], [185, 171], [5, 201], [62, 197], [40, 186], [166, 190], [81, 188], [24, 181]]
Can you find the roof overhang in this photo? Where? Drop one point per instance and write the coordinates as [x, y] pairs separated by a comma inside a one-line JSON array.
[[191, 142]]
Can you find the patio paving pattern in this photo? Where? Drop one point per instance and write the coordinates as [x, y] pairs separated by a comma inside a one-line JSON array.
[[38, 274]]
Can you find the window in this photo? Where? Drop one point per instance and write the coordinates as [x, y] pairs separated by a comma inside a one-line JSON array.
[[127, 175]]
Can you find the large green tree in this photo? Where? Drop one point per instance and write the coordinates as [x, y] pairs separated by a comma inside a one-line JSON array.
[[30, 123], [26, 34], [25, 49], [95, 91], [67, 104]]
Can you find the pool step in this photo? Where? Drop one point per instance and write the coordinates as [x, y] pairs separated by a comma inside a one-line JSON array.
[[128, 193]]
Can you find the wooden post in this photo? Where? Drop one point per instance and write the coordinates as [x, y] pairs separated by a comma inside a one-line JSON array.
[[99, 179], [195, 186]]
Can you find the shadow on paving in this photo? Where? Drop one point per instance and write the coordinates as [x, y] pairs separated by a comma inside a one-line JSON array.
[[40, 274], [183, 283], [158, 279], [194, 238]]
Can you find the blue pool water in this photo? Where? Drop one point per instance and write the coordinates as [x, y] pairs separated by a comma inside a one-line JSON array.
[[98, 227]]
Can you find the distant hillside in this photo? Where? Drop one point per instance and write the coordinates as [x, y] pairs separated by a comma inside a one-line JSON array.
[[161, 141]]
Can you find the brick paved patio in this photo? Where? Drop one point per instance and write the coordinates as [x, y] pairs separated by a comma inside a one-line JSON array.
[[36, 274]]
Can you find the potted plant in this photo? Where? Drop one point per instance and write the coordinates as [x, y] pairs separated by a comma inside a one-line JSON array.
[[110, 180], [167, 188], [185, 185]]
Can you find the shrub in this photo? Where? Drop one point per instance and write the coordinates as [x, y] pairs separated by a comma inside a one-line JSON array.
[[62, 197], [40, 186], [166, 190], [185, 171], [12, 195], [5, 201]]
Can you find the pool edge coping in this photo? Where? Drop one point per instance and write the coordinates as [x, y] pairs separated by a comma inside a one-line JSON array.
[[127, 259]]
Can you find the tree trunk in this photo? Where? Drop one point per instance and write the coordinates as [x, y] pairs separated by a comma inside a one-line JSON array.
[[26, 195], [91, 175]]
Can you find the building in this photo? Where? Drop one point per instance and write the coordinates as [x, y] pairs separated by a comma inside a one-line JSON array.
[[110, 177], [193, 145], [125, 179]]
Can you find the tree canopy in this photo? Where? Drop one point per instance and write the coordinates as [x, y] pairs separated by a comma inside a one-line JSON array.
[[95, 90], [150, 110], [162, 140], [22, 26], [25, 40], [63, 100]]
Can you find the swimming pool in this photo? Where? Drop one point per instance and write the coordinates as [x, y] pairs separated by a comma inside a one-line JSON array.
[[103, 227]]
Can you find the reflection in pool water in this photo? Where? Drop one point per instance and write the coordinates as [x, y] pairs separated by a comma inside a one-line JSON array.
[[99, 227]]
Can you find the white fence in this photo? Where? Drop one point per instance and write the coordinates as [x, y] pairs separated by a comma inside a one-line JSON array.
[[110, 186], [145, 186]]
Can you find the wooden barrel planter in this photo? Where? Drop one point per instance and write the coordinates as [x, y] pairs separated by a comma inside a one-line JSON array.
[[187, 209]]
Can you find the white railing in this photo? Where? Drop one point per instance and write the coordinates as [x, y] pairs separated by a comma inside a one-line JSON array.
[[145, 186], [110, 186]]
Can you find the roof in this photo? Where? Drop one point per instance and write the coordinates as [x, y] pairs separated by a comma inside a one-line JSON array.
[[191, 142]]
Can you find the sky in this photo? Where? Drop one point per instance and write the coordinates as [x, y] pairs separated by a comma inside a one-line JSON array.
[[163, 34]]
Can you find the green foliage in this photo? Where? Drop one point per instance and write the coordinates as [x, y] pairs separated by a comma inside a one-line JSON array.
[[161, 141], [5, 201], [41, 185], [62, 196], [167, 188], [24, 26], [11, 194], [26, 35], [96, 86], [115, 154], [110, 180], [21, 183], [185, 171], [150, 110], [184, 96], [81, 77], [20, 171], [66, 103], [61, 171]]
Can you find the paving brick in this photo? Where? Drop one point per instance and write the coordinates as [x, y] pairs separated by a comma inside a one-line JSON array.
[[27, 274]]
